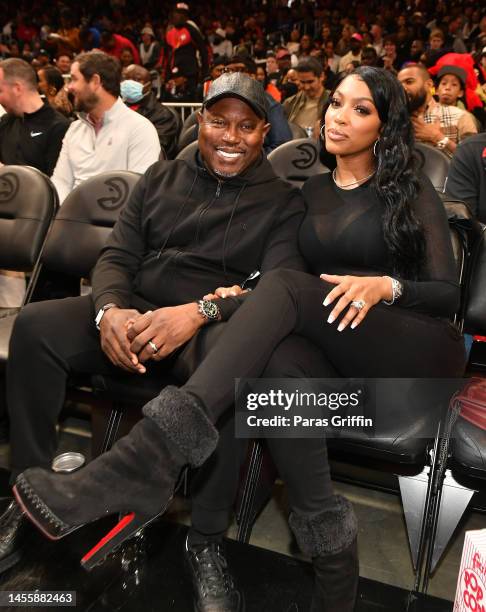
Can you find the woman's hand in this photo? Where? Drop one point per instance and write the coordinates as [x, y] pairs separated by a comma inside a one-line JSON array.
[[224, 292], [367, 289]]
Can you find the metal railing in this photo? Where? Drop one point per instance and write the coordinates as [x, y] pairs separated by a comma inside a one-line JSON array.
[[185, 108]]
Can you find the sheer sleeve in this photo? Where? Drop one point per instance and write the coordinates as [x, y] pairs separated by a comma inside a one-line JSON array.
[[436, 292]]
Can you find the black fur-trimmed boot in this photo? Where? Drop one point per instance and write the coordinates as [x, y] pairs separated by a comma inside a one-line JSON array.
[[136, 478], [330, 538]]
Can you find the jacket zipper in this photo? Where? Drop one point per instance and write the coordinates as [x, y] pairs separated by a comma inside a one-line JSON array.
[[206, 208]]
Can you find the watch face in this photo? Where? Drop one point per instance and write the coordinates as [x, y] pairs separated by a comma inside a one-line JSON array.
[[210, 310]]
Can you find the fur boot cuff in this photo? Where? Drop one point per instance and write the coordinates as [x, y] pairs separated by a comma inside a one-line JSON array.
[[329, 532], [184, 422]]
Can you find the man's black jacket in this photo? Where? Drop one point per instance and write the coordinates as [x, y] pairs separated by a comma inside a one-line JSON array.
[[184, 233], [163, 120], [35, 139]]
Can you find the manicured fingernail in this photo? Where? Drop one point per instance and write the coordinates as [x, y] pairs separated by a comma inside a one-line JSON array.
[[325, 302], [223, 295], [330, 319], [340, 327], [354, 325]]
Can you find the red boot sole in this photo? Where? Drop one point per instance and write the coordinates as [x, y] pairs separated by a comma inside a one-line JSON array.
[[125, 529]]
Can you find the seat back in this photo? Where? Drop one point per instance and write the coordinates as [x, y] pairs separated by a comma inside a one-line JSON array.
[[188, 152], [297, 160], [177, 117], [464, 231], [85, 220], [28, 203], [475, 314], [187, 136], [434, 164], [189, 121]]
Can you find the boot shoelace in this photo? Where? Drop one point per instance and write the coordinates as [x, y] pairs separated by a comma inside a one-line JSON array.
[[212, 570]]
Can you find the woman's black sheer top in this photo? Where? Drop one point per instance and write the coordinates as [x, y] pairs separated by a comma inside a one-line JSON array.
[[343, 234]]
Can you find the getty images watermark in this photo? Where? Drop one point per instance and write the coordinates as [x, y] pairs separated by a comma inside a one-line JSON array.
[[310, 408]]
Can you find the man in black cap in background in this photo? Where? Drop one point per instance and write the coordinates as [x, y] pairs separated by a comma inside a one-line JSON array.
[[184, 42], [188, 228]]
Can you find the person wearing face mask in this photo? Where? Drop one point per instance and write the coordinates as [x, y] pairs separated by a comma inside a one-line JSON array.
[[136, 92]]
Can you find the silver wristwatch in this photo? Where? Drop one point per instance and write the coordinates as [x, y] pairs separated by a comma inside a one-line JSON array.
[[209, 310], [397, 291], [102, 311], [442, 144]]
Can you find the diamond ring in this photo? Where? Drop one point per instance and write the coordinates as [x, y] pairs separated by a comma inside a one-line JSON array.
[[358, 304]]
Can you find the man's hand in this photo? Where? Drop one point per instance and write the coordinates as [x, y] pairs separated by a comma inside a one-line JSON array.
[[167, 328], [427, 132], [114, 340]]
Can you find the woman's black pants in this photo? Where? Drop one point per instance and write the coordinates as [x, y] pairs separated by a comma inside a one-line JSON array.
[[270, 336]]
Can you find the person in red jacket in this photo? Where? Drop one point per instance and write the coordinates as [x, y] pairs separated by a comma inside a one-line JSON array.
[[113, 44], [184, 41]]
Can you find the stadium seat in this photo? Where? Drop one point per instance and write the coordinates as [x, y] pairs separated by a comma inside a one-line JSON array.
[[85, 220], [434, 163], [28, 203], [297, 160], [297, 131], [189, 151], [187, 136], [189, 122]]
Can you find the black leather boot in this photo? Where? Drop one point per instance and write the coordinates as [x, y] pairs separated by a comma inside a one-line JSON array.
[[136, 478], [214, 586], [13, 528], [330, 538]]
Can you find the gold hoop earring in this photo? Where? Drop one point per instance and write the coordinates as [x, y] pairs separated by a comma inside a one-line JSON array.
[[320, 131], [374, 147]]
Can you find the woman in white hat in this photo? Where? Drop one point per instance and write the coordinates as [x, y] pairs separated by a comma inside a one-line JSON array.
[[149, 48]]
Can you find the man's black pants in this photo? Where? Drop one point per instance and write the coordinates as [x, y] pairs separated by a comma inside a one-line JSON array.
[[52, 340]]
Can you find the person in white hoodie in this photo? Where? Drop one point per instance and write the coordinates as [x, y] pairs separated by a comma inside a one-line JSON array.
[[107, 134]]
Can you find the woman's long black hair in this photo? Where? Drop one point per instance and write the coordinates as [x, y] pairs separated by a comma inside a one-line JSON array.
[[395, 181]]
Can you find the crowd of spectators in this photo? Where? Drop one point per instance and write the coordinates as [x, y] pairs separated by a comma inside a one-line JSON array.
[[277, 35]]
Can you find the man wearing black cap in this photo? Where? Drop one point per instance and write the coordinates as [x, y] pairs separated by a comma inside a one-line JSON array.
[[184, 40], [279, 131], [189, 227]]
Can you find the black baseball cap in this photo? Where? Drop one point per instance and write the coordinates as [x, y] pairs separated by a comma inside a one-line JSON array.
[[238, 85], [457, 71]]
